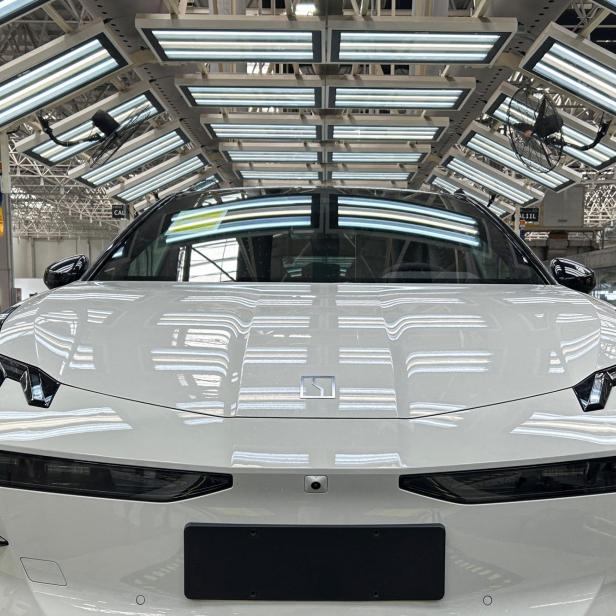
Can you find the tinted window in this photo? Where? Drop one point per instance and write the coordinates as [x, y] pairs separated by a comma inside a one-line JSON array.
[[321, 238]]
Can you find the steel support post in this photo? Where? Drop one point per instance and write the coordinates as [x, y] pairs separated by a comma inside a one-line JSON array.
[[7, 292]]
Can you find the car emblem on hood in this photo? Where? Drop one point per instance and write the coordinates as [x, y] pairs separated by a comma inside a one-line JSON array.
[[317, 387]]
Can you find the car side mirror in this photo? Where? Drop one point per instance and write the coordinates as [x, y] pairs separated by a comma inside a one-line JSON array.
[[573, 275], [66, 271]]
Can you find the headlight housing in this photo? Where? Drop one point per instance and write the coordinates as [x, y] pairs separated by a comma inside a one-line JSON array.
[[38, 387], [518, 483], [97, 479], [593, 392]]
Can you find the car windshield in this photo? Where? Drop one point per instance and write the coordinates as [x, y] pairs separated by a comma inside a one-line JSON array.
[[320, 237]]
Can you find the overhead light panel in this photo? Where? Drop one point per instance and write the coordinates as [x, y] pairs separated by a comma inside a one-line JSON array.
[[267, 156], [138, 108], [608, 4], [302, 132], [399, 98], [245, 96], [498, 149], [451, 186], [374, 176], [420, 40], [158, 177], [407, 157], [193, 38], [385, 132], [492, 180], [575, 65], [132, 155], [204, 184], [576, 132], [258, 174], [11, 9], [54, 71]]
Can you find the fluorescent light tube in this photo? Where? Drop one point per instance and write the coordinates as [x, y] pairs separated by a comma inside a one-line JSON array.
[[279, 175], [406, 207], [417, 47], [374, 224], [386, 133], [125, 162], [266, 156], [407, 158], [394, 176], [399, 98], [10, 9], [451, 185], [192, 183], [208, 182], [608, 4], [492, 179], [302, 132], [243, 96], [261, 202], [57, 77], [499, 153], [220, 45], [162, 179], [577, 66], [247, 215]]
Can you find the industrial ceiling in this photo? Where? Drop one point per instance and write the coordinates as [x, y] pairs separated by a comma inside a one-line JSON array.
[[243, 93]]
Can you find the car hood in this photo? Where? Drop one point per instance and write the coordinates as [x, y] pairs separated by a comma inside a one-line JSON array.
[[394, 351]]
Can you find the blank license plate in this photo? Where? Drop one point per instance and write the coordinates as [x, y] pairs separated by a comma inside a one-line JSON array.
[[314, 563]]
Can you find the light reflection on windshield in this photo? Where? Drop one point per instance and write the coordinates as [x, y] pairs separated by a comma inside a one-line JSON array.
[[321, 237]]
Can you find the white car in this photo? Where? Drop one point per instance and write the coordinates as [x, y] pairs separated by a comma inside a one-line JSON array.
[[309, 403]]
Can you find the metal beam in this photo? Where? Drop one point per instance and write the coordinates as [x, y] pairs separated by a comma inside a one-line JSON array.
[[7, 293]]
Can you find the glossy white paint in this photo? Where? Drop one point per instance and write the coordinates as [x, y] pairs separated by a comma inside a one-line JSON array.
[[396, 351], [510, 403]]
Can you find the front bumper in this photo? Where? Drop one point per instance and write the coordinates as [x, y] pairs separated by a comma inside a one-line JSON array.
[[125, 558]]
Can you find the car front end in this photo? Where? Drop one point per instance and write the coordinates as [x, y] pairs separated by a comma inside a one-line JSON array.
[[311, 447]]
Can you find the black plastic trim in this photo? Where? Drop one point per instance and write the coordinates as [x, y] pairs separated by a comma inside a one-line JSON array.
[[76, 477], [516, 483]]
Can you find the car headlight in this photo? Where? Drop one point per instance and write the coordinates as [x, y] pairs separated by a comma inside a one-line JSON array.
[[97, 479], [39, 388], [594, 391], [518, 483]]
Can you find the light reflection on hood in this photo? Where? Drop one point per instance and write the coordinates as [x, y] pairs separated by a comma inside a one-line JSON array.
[[596, 429], [32, 426], [396, 351]]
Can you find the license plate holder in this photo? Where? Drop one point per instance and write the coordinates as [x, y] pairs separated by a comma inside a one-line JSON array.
[[314, 563]]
